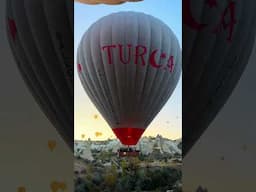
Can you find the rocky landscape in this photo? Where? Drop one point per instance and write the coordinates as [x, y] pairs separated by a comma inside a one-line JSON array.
[[157, 168]]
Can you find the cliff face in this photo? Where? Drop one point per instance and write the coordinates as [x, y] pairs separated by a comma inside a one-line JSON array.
[[147, 146]]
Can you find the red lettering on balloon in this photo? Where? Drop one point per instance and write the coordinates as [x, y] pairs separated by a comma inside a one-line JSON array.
[[12, 28], [109, 48], [79, 67], [121, 54], [232, 21], [212, 3], [189, 19], [223, 24], [139, 54], [163, 55], [152, 59], [171, 64]]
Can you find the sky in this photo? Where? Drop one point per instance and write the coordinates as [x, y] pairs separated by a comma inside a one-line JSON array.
[[88, 120]]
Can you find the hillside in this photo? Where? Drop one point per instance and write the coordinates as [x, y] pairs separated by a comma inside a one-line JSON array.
[[157, 168]]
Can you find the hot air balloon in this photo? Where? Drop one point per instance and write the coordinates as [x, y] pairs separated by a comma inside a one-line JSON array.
[[41, 38], [21, 189], [109, 2], [98, 134], [129, 63], [52, 144], [218, 38]]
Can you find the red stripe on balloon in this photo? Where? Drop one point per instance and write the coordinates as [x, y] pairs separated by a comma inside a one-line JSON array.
[[12, 28], [128, 136]]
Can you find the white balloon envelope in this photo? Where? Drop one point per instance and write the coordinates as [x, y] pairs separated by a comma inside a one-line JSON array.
[[129, 64]]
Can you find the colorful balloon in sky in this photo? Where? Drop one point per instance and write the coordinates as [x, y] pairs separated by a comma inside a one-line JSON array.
[[58, 186], [21, 189], [98, 134], [41, 38], [218, 38], [52, 144], [110, 2], [129, 63]]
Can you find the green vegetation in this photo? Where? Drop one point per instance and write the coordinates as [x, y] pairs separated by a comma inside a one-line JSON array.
[[156, 170], [127, 176]]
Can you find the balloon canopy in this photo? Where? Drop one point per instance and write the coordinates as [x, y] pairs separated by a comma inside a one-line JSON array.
[[218, 39], [109, 2], [129, 63], [41, 38]]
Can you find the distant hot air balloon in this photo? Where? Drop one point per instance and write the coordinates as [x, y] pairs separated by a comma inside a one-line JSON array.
[[52, 144], [109, 2], [218, 37], [129, 64], [57, 186], [41, 37], [98, 134], [21, 189]]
